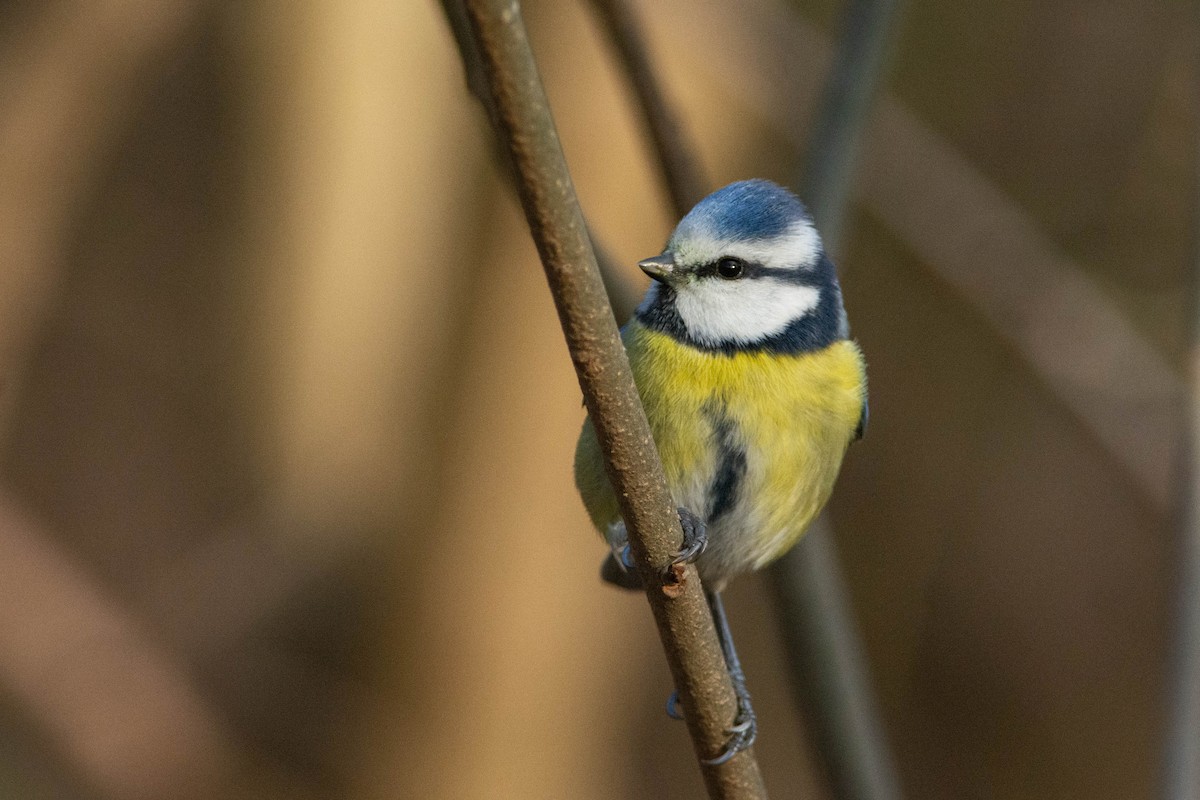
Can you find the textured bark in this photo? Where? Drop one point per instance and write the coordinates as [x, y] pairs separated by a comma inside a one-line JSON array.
[[522, 117]]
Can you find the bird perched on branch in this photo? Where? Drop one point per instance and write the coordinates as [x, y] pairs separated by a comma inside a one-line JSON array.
[[753, 390]]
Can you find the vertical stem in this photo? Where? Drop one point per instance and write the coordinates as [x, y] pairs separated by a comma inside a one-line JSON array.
[[623, 294], [830, 674], [526, 129], [1181, 767], [834, 145], [1182, 740]]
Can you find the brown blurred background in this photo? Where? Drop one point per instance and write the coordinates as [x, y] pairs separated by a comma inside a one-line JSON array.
[[286, 420]]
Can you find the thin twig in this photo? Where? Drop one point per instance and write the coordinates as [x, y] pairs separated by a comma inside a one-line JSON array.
[[676, 155], [1181, 767], [524, 124], [830, 673]]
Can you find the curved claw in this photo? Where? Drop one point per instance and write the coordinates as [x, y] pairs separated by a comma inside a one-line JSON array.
[[673, 710], [690, 551], [740, 728], [731, 750], [742, 737], [695, 538]]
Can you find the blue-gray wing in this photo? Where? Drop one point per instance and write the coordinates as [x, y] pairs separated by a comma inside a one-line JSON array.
[[862, 421]]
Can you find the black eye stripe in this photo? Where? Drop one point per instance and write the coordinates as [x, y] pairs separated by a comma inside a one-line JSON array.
[[821, 326], [752, 270]]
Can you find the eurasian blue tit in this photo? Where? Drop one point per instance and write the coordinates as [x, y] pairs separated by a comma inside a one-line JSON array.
[[742, 356]]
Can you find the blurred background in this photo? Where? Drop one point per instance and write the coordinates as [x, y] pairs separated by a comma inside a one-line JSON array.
[[286, 418]]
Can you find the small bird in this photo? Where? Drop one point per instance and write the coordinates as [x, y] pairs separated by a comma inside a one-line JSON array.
[[752, 388]]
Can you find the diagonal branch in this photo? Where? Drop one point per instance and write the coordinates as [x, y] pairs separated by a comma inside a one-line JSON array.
[[622, 293], [526, 128], [676, 155]]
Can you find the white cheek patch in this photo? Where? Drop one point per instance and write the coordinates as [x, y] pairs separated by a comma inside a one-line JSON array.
[[799, 247], [716, 311]]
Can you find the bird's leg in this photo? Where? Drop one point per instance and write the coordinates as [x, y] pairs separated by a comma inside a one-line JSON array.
[[745, 725]]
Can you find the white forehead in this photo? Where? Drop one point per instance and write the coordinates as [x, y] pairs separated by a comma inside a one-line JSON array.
[[797, 247]]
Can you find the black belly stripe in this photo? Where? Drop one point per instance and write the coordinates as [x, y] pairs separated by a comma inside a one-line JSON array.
[[731, 468]]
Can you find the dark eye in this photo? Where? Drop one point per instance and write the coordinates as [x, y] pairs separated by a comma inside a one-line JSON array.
[[730, 268]]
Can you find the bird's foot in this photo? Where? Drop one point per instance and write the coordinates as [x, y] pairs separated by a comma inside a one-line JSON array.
[[744, 730], [673, 710], [745, 724], [624, 557], [619, 570], [695, 539]]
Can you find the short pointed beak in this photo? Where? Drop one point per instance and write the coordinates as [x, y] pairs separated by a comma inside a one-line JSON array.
[[660, 268]]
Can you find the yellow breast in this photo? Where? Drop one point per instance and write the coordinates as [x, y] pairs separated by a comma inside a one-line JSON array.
[[758, 438]]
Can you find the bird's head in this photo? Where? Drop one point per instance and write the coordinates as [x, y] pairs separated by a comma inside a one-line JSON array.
[[745, 270]]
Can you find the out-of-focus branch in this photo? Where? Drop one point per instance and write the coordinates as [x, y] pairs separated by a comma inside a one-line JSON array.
[[830, 675], [623, 294], [835, 143], [1120, 387], [114, 703], [460, 26], [69, 82], [1181, 762], [829, 671], [973, 237], [676, 155], [685, 625]]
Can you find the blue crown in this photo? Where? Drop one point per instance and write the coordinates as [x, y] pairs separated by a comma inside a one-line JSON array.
[[744, 211]]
